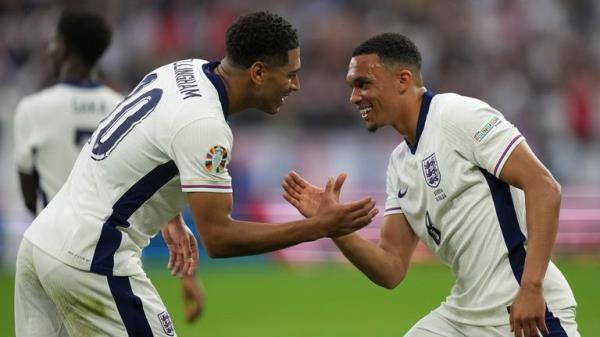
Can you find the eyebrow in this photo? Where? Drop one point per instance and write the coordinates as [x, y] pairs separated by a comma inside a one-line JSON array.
[[358, 80]]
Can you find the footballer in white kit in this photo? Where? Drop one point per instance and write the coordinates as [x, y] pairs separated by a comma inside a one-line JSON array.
[[448, 186], [52, 125], [79, 266], [167, 137]]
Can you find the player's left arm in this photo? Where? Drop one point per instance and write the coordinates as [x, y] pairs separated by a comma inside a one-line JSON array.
[[542, 203]]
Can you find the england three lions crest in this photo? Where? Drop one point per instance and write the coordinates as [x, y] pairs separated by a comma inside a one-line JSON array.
[[431, 171], [166, 323]]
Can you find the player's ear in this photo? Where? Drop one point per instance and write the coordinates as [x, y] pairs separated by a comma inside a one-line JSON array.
[[403, 79], [258, 70]]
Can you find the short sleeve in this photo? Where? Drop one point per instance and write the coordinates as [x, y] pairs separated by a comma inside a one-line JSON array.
[[23, 139], [202, 151], [392, 201], [482, 135]]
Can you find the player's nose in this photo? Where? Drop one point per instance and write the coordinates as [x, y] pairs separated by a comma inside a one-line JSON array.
[[295, 85], [355, 97]]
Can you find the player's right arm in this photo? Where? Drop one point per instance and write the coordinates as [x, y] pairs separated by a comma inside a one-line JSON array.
[[385, 263], [224, 236], [201, 150]]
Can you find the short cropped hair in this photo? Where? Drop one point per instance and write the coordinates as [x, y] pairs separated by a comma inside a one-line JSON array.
[[85, 34], [260, 36], [392, 48]]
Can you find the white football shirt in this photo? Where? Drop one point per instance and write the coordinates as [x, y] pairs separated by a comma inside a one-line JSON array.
[[447, 186], [169, 136], [52, 125]]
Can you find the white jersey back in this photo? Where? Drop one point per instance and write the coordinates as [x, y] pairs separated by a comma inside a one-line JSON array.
[[169, 136], [447, 187], [52, 125]]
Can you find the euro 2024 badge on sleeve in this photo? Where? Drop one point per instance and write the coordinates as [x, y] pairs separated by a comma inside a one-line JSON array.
[[216, 159]]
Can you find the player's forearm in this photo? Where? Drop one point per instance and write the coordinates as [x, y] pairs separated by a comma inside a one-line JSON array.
[[378, 265], [542, 208], [239, 238]]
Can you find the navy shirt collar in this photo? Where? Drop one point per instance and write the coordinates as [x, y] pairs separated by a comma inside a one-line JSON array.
[[427, 97], [217, 82]]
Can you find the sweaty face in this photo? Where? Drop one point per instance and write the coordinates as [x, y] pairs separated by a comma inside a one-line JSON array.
[[372, 89], [280, 82]]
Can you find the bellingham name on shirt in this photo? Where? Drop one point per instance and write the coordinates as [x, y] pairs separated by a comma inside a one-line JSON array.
[[186, 81]]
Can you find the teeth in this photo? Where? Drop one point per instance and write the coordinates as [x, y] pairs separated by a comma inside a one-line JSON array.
[[365, 111]]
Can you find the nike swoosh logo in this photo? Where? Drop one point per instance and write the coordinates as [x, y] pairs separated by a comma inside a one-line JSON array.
[[402, 194]]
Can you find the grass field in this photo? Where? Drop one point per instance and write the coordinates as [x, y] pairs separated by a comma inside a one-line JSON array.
[[320, 300]]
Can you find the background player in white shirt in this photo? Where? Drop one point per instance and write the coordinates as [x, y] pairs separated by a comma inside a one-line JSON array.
[[52, 125], [465, 183], [165, 145]]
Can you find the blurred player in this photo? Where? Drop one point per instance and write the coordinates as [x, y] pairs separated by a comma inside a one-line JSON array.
[[165, 145], [466, 184], [52, 125]]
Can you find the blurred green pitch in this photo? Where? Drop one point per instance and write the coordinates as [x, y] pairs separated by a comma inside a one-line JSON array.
[[328, 300]]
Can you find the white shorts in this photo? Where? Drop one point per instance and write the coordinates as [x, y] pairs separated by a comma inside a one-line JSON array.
[[55, 299], [436, 325]]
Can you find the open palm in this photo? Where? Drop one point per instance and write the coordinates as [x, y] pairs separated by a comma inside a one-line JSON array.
[[305, 196]]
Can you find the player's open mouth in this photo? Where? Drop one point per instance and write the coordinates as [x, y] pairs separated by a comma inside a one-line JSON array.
[[364, 111]]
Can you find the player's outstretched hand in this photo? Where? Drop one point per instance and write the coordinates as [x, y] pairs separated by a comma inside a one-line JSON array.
[[338, 219], [193, 298], [527, 313], [306, 196], [183, 247]]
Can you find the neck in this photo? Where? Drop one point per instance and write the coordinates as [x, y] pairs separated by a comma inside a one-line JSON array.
[[233, 78], [75, 71], [409, 114]]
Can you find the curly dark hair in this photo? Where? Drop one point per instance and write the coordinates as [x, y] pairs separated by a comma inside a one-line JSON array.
[[392, 48], [260, 36], [85, 34]]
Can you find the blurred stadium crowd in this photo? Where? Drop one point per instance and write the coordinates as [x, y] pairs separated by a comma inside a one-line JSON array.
[[537, 61]]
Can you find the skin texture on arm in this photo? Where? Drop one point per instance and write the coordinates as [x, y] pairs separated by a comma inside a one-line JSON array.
[[193, 297], [226, 237], [542, 203], [385, 263], [29, 186]]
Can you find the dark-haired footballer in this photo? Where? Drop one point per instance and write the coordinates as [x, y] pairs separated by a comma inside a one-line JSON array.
[[466, 184], [166, 145], [52, 126]]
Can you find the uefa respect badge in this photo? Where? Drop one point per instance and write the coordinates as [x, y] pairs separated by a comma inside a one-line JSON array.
[[216, 159]]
